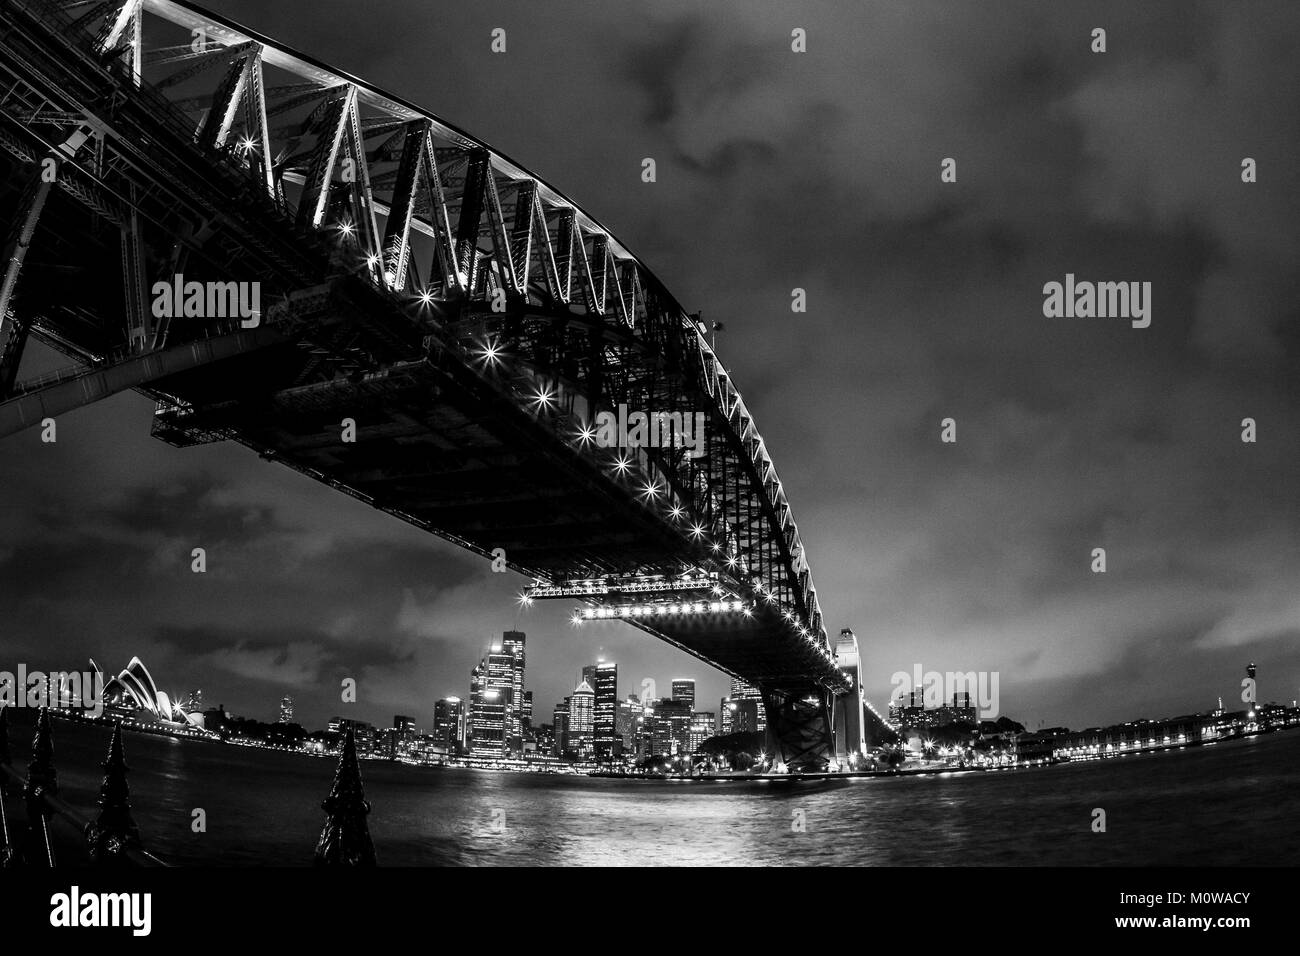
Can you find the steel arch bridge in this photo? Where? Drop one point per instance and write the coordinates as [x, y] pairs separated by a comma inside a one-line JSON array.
[[469, 319]]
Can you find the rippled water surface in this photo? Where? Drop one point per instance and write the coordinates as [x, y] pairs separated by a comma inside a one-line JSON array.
[[1233, 803]]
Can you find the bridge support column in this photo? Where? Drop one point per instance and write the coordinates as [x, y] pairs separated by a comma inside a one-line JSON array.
[[850, 738], [13, 327], [800, 731]]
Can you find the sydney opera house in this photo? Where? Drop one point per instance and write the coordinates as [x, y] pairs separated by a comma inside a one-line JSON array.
[[134, 690]]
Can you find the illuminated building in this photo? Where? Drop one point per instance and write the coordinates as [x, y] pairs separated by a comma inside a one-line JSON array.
[[449, 722], [363, 732], [582, 712], [726, 708], [740, 691], [605, 739], [560, 725], [963, 709], [286, 710], [512, 642], [668, 728], [684, 690], [491, 690], [701, 729], [134, 689], [627, 718]]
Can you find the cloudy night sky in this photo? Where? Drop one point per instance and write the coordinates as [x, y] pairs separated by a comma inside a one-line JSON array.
[[821, 171]]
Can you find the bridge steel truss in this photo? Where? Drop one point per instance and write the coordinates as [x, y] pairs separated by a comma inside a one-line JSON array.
[[406, 264]]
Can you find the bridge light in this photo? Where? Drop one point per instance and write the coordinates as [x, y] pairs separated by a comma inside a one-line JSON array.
[[345, 228], [576, 619], [651, 491], [587, 434], [372, 260], [245, 143], [697, 531], [525, 600], [676, 511], [426, 297], [622, 464]]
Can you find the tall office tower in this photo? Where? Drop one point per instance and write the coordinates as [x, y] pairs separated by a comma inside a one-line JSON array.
[[582, 712], [194, 702], [589, 674], [286, 710], [701, 729], [742, 691], [668, 728], [528, 709], [605, 740], [513, 643], [560, 721], [627, 722], [449, 722], [491, 688], [726, 709], [684, 690]]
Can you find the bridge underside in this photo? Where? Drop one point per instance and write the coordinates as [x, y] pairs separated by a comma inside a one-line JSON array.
[[464, 376]]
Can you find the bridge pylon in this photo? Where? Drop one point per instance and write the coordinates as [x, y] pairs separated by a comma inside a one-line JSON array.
[[800, 730]]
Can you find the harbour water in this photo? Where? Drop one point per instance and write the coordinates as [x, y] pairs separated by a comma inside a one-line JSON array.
[[1234, 803]]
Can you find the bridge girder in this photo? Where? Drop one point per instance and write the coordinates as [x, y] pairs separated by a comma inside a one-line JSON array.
[[447, 266]]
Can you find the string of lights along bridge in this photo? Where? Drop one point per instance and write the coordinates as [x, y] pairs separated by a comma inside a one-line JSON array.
[[361, 264]]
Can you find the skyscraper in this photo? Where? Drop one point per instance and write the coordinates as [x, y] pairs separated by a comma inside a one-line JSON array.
[[627, 722], [701, 729], [582, 711], [740, 691], [668, 728], [449, 722], [513, 643], [491, 688], [606, 740], [684, 689], [560, 722], [286, 710]]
